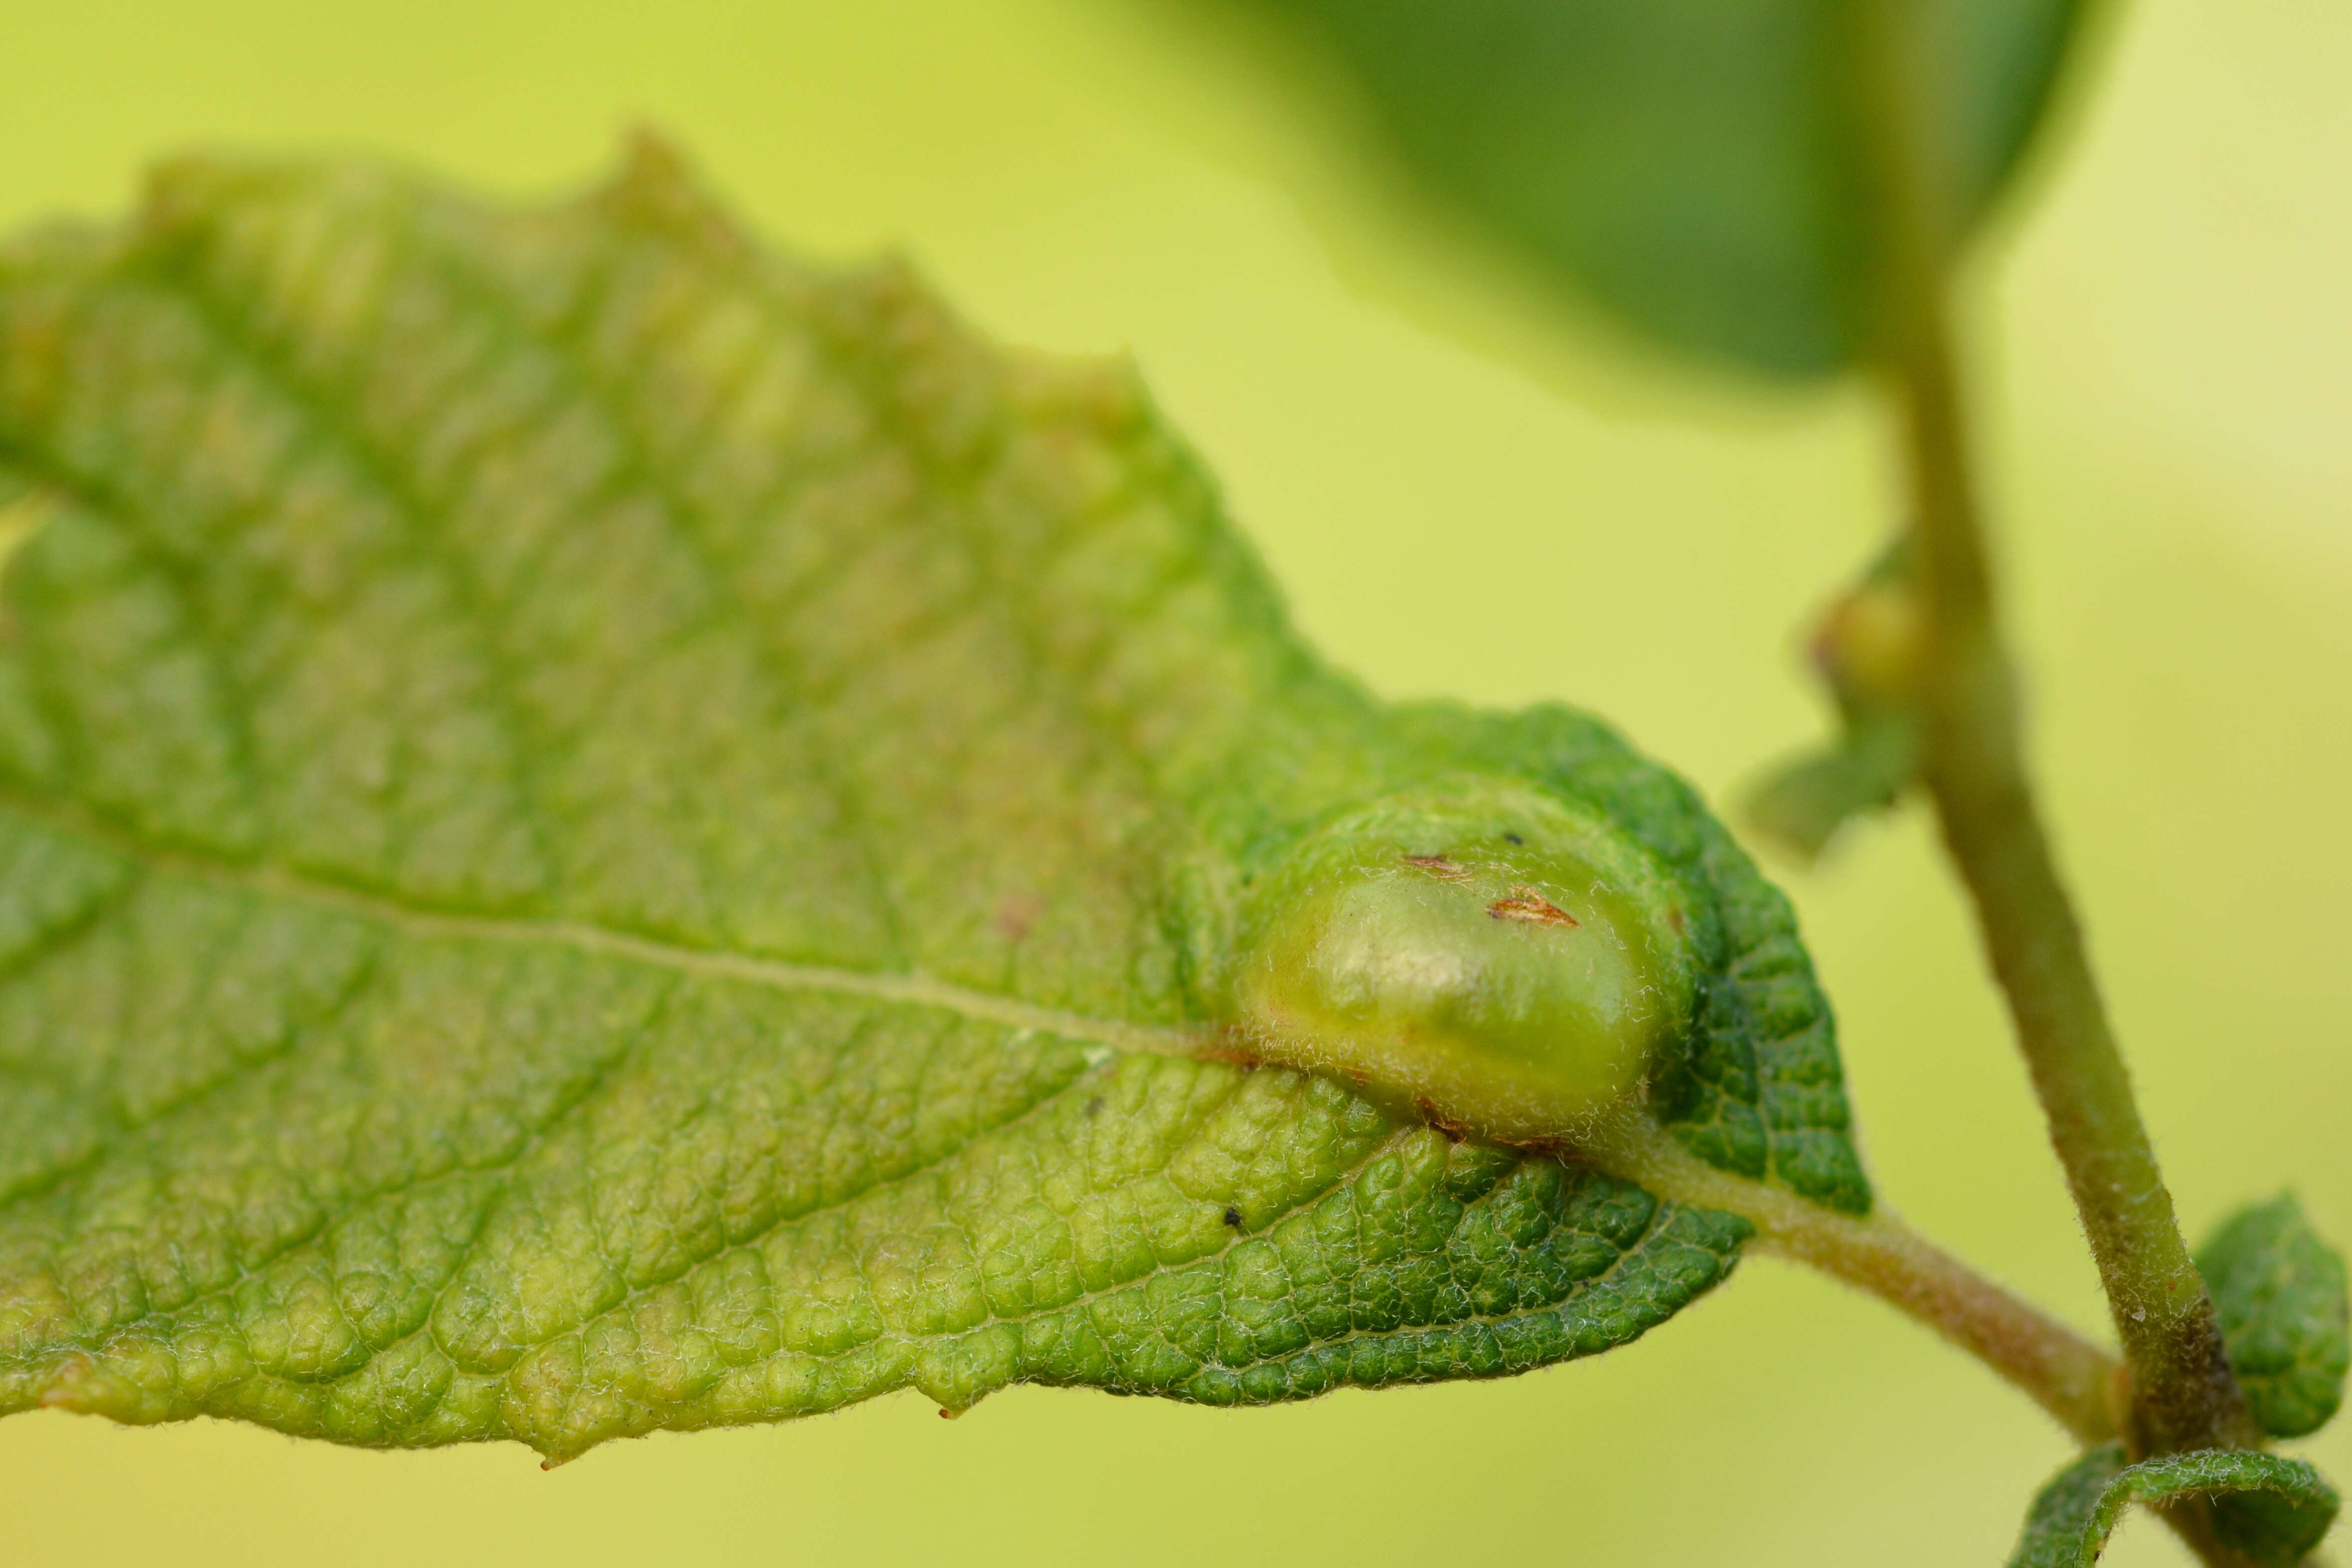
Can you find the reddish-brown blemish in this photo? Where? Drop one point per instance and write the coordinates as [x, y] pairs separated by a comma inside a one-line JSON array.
[[1016, 913], [1235, 1047], [1454, 1131], [1527, 904], [1439, 867]]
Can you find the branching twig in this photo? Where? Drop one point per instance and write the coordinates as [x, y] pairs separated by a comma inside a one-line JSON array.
[[2185, 1396]]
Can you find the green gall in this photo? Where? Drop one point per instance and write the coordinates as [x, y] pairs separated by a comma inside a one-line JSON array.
[[1504, 961]]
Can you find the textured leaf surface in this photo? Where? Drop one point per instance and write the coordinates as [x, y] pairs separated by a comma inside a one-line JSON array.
[[599, 831], [1698, 165], [2279, 1291], [2273, 1509]]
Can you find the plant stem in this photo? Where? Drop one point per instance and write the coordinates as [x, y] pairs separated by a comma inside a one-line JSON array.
[[2067, 1375], [2185, 1396]]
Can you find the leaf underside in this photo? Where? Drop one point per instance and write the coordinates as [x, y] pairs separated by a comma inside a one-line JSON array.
[[1702, 168], [2270, 1509], [600, 831]]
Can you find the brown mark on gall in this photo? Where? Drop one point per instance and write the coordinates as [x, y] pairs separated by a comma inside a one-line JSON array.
[[1527, 904], [1234, 1047], [1454, 1131], [1439, 867]]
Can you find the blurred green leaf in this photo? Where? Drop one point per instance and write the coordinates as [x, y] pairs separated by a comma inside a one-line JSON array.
[[1803, 804], [1865, 650], [2279, 1291], [1698, 165], [2272, 1509], [600, 831], [22, 508]]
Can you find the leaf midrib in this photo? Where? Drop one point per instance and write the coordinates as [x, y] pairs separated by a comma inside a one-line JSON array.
[[907, 987]]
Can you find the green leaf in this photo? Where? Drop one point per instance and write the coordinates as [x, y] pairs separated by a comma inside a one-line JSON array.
[[600, 831], [2279, 1291], [2272, 1509], [1801, 804], [1699, 166]]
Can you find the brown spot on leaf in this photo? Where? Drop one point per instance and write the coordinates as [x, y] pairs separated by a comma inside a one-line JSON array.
[[1439, 867], [1017, 915], [1527, 904]]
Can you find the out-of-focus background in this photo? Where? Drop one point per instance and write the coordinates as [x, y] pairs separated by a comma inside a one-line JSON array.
[[1467, 490]]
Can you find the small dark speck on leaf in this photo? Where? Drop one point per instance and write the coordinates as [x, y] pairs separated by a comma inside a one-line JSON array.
[[1234, 1218], [1094, 1105], [1513, 838]]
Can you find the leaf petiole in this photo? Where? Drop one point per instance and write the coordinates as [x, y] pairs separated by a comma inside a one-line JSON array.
[[2066, 1375]]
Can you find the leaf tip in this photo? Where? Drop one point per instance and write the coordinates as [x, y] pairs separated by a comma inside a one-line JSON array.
[[655, 187]]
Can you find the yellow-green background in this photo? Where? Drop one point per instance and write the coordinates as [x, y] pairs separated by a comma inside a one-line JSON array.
[[1466, 490]]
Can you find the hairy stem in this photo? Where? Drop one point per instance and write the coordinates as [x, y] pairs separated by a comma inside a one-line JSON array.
[[2067, 1375], [2185, 1396]]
